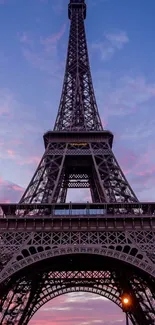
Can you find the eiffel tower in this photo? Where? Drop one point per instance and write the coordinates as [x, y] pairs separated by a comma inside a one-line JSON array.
[[49, 247]]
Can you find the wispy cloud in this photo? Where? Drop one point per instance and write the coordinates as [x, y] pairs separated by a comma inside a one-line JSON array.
[[17, 147], [128, 96], [112, 42], [9, 192], [139, 167], [79, 309], [143, 130], [127, 107], [42, 52], [81, 296], [53, 39], [25, 38]]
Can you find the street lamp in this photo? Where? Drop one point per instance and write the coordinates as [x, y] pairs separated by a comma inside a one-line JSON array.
[[126, 305]]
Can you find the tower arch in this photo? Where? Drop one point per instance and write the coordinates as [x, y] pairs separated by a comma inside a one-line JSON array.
[[48, 245]]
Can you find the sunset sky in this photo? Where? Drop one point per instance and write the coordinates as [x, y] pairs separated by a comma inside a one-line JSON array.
[[33, 39]]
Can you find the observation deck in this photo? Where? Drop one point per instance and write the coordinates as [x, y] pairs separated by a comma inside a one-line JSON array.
[[81, 136], [83, 216]]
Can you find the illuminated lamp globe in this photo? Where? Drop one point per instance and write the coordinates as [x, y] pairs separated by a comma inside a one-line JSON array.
[[126, 301]]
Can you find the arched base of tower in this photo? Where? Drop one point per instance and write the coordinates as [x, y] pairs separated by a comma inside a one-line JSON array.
[[26, 291]]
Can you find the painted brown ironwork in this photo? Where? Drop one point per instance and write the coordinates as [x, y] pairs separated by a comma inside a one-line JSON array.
[[49, 247], [46, 256]]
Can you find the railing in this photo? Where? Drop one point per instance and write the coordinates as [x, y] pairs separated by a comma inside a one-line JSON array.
[[77, 209]]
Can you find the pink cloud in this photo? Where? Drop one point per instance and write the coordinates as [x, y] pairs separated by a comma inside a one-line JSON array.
[[127, 158], [129, 95], [29, 161], [24, 38], [2, 181], [17, 188], [9, 192], [104, 123], [3, 111], [54, 38], [79, 308], [148, 172], [11, 153], [131, 162], [16, 142], [46, 58], [33, 57], [6, 201]]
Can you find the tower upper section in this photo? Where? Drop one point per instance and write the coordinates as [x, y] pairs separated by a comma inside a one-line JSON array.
[[78, 109], [76, 5]]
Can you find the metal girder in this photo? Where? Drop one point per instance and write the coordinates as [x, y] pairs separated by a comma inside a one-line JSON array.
[[78, 109], [22, 297], [67, 165], [107, 247], [21, 249], [22, 291]]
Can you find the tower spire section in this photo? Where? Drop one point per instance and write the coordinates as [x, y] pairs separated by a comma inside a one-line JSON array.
[[78, 109], [78, 152], [105, 246]]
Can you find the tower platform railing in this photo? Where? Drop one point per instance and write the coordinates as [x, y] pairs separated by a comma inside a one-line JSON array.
[[77, 210]]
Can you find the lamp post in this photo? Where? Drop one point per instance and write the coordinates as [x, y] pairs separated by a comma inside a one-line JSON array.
[[126, 305]]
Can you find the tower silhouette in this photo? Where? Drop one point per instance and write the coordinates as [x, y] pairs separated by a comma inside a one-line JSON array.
[[50, 247]]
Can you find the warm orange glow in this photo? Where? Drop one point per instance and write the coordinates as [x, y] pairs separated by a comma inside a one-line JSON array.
[[126, 301]]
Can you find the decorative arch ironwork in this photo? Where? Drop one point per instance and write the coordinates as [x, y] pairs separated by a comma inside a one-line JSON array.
[[54, 284], [26, 292], [105, 290], [30, 248]]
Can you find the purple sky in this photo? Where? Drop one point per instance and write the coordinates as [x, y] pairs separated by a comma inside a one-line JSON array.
[[34, 36], [79, 309]]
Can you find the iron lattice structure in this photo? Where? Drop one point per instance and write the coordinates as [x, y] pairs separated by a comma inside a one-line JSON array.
[[49, 247]]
